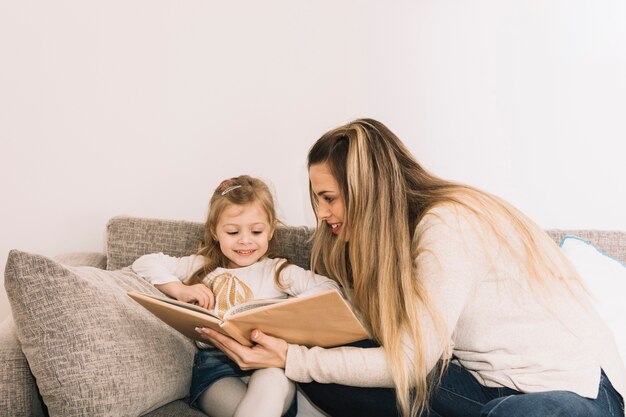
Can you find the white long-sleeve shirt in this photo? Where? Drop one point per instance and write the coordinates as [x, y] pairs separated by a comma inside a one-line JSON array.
[[159, 268], [500, 331]]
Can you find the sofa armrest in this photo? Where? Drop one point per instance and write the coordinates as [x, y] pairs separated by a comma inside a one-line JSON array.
[[95, 259], [18, 390]]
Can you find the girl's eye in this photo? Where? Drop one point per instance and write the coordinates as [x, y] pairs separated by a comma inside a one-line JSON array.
[[256, 232], [231, 233]]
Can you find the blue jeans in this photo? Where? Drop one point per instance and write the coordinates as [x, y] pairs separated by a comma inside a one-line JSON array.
[[346, 401], [460, 395], [211, 364]]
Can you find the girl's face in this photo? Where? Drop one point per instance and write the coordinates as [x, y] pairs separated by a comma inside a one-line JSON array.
[[330, 206], [243, 233]]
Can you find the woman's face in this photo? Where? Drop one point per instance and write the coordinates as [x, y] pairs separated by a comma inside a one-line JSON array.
[[330, 206]]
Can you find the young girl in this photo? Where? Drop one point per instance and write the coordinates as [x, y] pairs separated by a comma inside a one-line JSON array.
[[231, 267]]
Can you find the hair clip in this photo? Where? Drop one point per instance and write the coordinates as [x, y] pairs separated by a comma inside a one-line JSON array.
[[229, 189], [224, 185]]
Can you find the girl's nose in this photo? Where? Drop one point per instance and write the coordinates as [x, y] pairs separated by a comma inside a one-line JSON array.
[[244, 237]]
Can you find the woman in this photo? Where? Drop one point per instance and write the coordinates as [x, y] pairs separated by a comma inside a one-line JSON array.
[[477, 310]]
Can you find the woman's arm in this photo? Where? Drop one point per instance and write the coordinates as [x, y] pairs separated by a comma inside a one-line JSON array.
[[365, 367], [450, 263], [354, 366]]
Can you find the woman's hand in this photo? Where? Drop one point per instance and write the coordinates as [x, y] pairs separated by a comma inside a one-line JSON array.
[[268, 351]]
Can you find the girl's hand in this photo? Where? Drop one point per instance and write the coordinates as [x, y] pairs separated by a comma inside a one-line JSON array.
[[198, 293], [268, 352]]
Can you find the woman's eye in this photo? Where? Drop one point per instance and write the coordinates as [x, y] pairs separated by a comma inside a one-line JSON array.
[[329, 199]]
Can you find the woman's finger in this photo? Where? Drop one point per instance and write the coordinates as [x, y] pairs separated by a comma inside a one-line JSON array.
[[269, 352]]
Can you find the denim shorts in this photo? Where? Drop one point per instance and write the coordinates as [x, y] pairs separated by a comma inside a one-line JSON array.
[[210, 365]]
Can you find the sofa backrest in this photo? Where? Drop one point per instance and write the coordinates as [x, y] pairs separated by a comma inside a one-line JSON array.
[[130, 237], [611, 242]]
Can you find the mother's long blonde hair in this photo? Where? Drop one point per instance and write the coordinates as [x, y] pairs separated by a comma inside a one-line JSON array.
[[386, 193]]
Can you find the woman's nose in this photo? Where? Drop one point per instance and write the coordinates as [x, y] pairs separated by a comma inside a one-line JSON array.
[[322, 212]]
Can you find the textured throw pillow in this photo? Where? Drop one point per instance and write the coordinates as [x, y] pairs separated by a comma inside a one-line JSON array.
[[92, 349], [605, 278]]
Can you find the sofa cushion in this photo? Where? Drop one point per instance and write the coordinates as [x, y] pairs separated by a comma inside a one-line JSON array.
[[92, 349], [18, 392], [128, 238]]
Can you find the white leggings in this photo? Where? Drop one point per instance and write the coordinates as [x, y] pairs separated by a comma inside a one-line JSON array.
[[268, 393]]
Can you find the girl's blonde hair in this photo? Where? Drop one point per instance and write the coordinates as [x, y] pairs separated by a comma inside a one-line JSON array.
[[241, 191], [386, 193]]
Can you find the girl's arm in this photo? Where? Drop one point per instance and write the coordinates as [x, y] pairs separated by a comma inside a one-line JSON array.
[[159, 268], [167, 273], [304, 282]]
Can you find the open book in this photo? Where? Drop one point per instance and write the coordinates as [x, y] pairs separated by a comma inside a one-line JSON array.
[[324, 319]]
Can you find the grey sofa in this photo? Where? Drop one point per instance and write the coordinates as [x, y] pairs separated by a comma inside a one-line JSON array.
[[74, 341]]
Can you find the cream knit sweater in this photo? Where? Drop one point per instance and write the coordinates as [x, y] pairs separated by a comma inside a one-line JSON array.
[[500, 332]]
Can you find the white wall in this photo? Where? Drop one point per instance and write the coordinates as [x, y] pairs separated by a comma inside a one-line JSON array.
[[142, 107]]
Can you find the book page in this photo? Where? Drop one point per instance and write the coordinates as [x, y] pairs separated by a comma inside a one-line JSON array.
[[250, 305]]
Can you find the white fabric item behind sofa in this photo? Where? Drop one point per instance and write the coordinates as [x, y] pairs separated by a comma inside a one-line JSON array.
[[605, 278]]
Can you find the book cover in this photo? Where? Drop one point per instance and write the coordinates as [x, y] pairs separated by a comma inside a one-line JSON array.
[[324, 319]]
